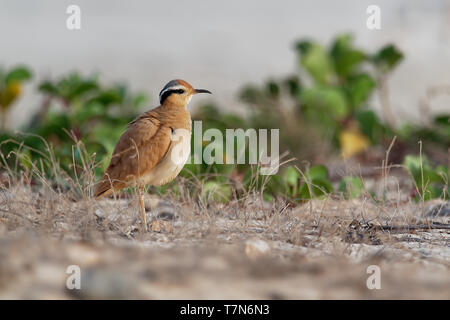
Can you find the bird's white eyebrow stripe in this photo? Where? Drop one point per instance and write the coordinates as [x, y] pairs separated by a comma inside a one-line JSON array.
[[172, 88]]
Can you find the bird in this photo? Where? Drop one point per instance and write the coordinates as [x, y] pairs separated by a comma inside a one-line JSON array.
[[154, 147]]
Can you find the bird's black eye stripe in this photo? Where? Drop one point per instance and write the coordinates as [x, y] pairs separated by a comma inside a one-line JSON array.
[[168, 93]]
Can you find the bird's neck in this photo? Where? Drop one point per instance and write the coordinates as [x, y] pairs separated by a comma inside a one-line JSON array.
[[176, 116]]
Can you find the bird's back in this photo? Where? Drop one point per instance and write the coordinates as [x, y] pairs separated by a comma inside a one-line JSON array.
[[144, 151]]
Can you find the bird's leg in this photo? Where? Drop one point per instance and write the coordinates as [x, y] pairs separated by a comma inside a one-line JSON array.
[[142, 205]]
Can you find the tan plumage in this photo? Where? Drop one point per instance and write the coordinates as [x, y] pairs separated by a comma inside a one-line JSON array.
[[148, 152], [141, 147]]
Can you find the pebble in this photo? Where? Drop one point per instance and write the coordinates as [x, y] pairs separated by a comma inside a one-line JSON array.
[[440, 210], [256, 248], [160, 226], [166, 212]]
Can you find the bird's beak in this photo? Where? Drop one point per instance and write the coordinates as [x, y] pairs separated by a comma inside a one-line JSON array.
[[202, 91]]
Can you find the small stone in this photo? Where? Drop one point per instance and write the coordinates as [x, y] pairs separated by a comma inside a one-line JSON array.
[[160, 226], [62, 226], [440, 210], [256, 248], [166, 213], [99, 213]]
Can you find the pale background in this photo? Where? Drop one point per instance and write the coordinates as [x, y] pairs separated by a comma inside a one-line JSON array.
[[218, 45]]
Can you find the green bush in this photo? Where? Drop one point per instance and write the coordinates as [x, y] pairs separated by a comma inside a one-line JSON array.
[[322, 110], [431, 182], [77, 108]]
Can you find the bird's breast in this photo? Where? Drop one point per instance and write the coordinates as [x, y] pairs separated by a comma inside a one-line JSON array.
[[174, 160]]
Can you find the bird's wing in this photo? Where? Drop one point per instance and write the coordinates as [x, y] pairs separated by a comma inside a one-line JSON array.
[[140, 148]]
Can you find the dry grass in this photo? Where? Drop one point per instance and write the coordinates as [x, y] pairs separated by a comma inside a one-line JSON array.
[[246, 248]]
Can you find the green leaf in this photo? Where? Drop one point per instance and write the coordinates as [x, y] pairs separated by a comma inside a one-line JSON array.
[[317, 172], [293, 85], [352, 187], [108, 135], [277, 185], [414, 165], [84, 112], [54, 123], [26, 158], [107, 97], [18, 74], [316, 62], [273, 89], [360, 88], [387, 58], [70, 87], [216, 192], [370, 125], [79, 89], [331, 101], [433, 184], [190, 169], [442, 171], [442, 119], [291, 177], [345, 57], [303, 46], [317, 179], [48, 87], [268, 197], [319, 187]]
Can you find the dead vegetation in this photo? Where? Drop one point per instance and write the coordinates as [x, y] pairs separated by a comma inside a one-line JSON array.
[[244, 249]]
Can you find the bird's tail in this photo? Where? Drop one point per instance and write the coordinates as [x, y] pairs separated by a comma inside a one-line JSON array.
[[107, 187], [104, 188], [100, 194]]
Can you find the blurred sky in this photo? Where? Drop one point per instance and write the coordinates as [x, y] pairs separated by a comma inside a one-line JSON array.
[[218, 45]]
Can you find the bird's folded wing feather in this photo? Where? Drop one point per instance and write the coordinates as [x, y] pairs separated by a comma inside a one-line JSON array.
[[140, 148]]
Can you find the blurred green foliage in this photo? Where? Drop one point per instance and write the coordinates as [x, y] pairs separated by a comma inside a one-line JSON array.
[[316, 183], [78, 108], [436, 133], [322, 109], [326, 101], [431, 182], [352, 187], [332, 96]]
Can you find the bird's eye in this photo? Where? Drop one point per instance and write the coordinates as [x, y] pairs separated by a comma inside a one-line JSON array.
[[180, 91]]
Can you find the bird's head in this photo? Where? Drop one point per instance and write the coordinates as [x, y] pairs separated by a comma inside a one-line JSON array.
[[178, 92]]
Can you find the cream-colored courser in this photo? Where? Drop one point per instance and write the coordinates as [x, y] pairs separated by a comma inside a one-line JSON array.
[[154, 147]]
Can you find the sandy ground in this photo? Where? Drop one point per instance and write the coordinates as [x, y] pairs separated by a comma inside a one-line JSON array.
[[242, 250]]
